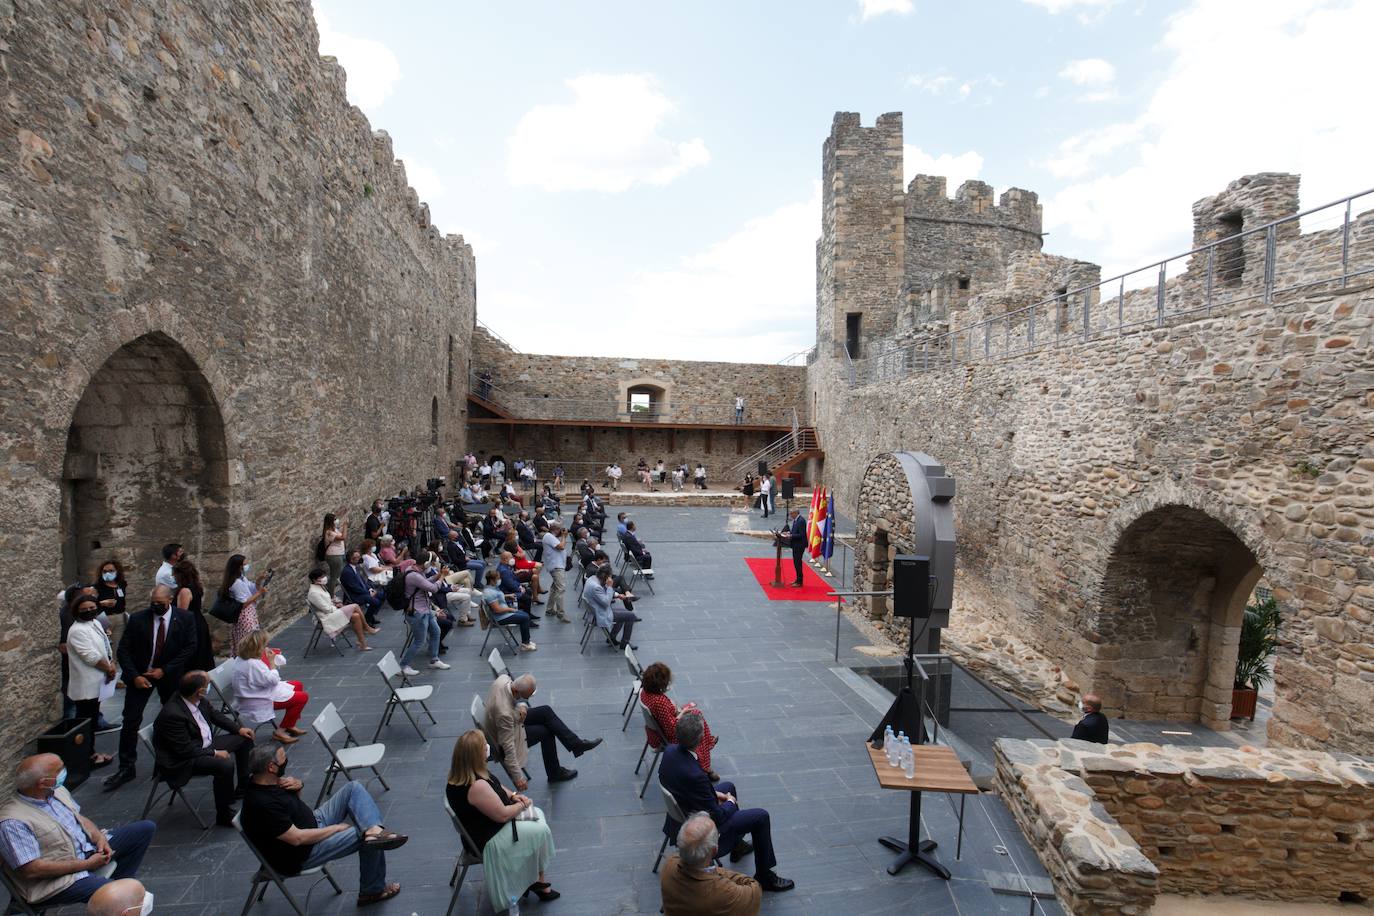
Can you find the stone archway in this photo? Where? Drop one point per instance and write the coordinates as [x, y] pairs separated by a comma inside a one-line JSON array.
[[146, 462], [1169, 619]]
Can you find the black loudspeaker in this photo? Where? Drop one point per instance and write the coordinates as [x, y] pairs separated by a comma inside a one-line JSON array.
[[911, 586], [763, 467], [787, 488]]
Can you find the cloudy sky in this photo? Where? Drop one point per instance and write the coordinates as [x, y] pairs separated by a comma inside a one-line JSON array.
[[642, 178]]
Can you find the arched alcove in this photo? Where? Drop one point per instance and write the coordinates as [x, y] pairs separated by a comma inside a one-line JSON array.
[[145, 463], [645, 398], [1168, 626]]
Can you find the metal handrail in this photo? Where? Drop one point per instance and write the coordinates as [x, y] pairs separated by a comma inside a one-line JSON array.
[[943, 349], [484, 326]]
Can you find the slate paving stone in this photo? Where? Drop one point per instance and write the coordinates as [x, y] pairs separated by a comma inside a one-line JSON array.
[[790, 735]]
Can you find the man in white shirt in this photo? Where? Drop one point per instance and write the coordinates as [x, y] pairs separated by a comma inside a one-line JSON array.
[[739, 410], [555, 542], [615, 473], [171, 555], [700, 477], [186, 747], [766, 494]]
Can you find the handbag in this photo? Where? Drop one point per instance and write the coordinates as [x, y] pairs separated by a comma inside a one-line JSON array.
[[226, 608]]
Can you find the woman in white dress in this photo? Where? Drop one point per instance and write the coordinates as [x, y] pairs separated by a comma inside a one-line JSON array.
[[259, 690], [333, 615]]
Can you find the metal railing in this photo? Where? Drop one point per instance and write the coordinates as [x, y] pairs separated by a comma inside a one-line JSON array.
[[800, 358], [801, 439], [1255, 266], [541, 407], [487, 328]]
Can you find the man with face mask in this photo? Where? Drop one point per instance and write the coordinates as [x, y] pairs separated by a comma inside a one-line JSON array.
[[55, 852], [512, 726], [125, 897], [1093, 726], [155, 649], [294, 838]]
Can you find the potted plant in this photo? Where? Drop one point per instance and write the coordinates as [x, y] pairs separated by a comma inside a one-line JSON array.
[[1259, 638]]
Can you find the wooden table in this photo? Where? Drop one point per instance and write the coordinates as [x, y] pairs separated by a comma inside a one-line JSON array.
[[937, 770]]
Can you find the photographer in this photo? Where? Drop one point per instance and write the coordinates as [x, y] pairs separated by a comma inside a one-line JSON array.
[[420, 615]]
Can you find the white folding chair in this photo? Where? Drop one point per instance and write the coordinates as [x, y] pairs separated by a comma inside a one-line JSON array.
[[509, 631], [318, 633], [651, 724], [478, 711], [222, 683], [590, 626], [145, 735], [637, 573], [401, 697], [468, 856], [676, 818], [637, 673], [266, 876], [351, 756], [498, 664]]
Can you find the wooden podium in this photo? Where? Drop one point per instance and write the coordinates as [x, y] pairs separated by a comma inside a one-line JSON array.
[[780, 540]]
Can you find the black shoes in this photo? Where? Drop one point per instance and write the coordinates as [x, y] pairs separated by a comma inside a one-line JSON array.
[[627, 645], [777, 885], [584, 746], [742, 849], [225, 818], [118, 778], [563, 775]]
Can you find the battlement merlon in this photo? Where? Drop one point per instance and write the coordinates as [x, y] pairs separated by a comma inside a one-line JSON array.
[[973, 203]]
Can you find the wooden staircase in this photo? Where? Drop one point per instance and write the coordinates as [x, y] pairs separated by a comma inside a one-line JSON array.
[[783, 454]]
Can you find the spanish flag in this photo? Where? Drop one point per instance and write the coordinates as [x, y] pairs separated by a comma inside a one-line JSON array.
[[815, 523]]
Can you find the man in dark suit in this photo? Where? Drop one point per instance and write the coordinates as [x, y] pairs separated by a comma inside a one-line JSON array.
[[358, 589], [525, 535], [441, 525], [155, 650], [1093, 726], [637, 550], [681, 774], [797, 541], [185, 746]]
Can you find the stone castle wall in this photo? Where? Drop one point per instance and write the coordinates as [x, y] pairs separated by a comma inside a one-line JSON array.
[[227, 311], [1115, 826]]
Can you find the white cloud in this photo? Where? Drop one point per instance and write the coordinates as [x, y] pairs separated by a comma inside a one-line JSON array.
[[871, 8], [955, 168], [1135, 180], [1089, 71], [608, 138], [941, 83], [1087, 11], [372, 68]]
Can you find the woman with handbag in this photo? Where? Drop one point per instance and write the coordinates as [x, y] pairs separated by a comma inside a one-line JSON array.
[[91, 660], [237, 589], [512, 835]]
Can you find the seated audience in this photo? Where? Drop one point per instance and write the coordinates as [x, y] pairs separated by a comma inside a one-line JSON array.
[[125, 897], [681, 774], [259, 690], [601, 561], [495, 609], [653, 694], [526, 570], [293, 838], [185, 746], [335, 616], [92, 665], [51, 849], [637, 549], [511, 586], [511, 726], [359, 589], [513, 858], [691, 882], [398, 563], [599, 593], [1094, 725]]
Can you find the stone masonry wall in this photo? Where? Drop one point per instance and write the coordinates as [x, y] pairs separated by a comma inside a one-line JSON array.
[[1275, 823], [189, 176]]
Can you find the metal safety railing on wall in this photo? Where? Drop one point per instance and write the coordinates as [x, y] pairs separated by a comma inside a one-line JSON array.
[[1326, 246]]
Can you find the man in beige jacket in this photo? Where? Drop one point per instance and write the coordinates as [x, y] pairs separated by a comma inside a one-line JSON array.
[[511, 726], [693, 885]]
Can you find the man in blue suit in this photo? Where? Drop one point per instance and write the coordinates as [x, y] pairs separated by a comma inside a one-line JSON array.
[[358, 589], [441, 525], [681, 774], [797, 541]]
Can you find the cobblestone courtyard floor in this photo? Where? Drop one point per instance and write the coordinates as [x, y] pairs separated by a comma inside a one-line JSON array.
[[790, 727]]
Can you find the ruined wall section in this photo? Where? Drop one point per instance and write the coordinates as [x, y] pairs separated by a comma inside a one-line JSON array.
[[193, 170]]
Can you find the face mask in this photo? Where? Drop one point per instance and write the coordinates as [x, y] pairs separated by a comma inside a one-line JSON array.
[[487, 753], [143, 910], [88, 614], [109, 576], [60, 779], [160, 608], [247, 567], [281, 767], [1080, 706]]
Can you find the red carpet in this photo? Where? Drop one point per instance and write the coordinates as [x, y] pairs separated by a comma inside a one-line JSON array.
[[816, 588]]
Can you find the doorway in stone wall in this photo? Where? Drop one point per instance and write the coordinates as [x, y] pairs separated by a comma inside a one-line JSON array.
[[146, 464], [1168, 629]]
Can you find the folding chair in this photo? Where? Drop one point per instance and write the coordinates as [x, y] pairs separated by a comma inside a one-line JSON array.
[[403, 696], [498, 664], [478, 711], [590, 626], [512, 641], [651, 725], [677, 817], [145, 734], [318, 633], [636, 672], [222, 683], [620, 554], [637, 574], [266, 876], [468, 856], [352, 756], [17, 902]]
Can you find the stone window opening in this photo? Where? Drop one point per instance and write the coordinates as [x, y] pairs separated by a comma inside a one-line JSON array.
[[853, 331], [434, 421], [1228, 261], [450, 364], [963, 284], [1061, 307], [644, 402]]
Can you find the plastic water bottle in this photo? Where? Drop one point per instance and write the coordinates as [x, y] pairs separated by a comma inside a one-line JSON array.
[[908, 759], [895, 758], [514, 908], [887, 742]]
